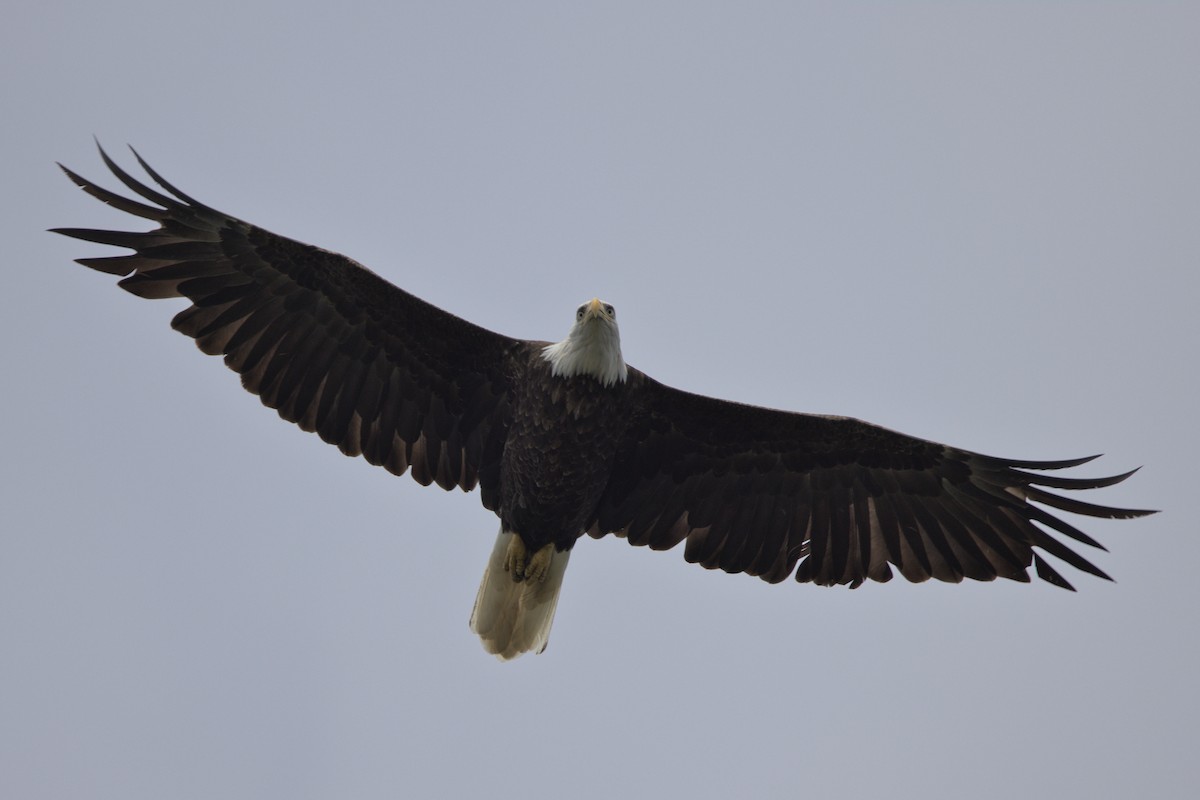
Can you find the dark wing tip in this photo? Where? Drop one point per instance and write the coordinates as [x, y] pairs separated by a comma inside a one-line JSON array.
[[132, 183], [74, 233], [1031, 483], [108, 162], [1127, 513], [1050, 574], [1058, 482], [120, 202], [1134, 513], [1063, 464], [163, 182], [75, 177]]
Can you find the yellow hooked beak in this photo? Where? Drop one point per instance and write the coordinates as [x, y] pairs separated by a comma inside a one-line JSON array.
[[594, 309]]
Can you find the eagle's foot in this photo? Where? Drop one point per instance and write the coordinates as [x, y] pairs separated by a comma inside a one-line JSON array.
[[515, 558], [522, 567], [539, 566]]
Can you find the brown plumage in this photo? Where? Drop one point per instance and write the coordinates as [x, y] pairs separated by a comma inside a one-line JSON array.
[[382, 374]]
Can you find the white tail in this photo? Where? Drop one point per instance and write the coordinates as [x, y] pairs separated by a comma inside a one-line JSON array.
[[510, 617]]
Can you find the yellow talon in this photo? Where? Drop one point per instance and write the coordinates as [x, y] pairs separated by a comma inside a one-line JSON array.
[[515, 557], [523, 568], [538, 567]]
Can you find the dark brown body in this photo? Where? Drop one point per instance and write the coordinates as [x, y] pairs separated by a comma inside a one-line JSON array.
[[559, 454]]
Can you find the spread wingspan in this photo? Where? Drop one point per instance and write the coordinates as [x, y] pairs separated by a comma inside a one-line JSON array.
[[382, 374]]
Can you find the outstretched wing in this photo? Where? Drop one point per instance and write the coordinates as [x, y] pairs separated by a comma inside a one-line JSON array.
[[329, 344], [756, 490]]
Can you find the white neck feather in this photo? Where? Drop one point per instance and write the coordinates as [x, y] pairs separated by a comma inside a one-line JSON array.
[[593, 347]]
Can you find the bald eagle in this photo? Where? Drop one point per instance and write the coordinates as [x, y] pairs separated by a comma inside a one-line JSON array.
[[565, 439]]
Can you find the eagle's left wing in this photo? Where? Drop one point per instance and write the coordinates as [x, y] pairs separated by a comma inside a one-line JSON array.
[[757, 490]]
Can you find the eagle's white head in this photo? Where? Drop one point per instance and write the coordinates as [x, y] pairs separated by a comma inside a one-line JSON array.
[[593, 347]]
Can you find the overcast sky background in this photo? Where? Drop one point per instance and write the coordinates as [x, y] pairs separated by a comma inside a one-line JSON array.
[[973, 222]]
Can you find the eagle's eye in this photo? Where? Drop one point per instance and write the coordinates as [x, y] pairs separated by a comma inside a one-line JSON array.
[[612, 312], [579, 312]]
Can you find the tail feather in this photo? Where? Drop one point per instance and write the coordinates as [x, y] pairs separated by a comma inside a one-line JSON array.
[[514, 618]]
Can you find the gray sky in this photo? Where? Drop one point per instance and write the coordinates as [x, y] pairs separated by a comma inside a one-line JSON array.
[[972, 222]]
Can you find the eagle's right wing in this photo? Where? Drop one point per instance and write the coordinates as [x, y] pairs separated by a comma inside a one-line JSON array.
[[329, 344]]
